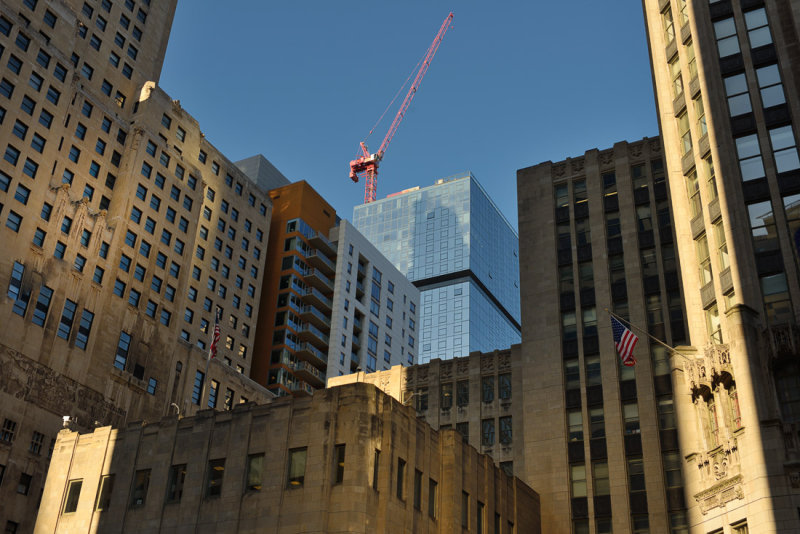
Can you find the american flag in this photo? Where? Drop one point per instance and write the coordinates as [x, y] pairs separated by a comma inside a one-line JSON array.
[[624, 340], [212, 350]]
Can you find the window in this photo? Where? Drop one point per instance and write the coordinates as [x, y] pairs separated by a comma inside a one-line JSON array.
[[757, 28], [677, 79], [104, 494], [749, 153], [401, 476], [67, 318], [141, 482], [738, 96], [8, 431], [575, 425], [177, 476], [685, 133], [487, 432], [770, 86], [73, 494], [578, 480], [669, 26], [630, 414], [703, 259], [465, 509], [727, 41], [338, 466], [487, 389], [255, 471], [121, 355], [197, 388], [784, 149], [84, 329], [15, 290], [296, 467]]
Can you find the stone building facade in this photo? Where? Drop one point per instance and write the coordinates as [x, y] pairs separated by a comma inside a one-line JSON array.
[[480, 396], [599, 236], [727, 78], [348, 459], [124, 230]]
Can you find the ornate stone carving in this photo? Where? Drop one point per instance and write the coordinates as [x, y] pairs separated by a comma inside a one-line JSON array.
[[577, 165], [446, 370], [606, 158], [463, 366], [504, 362], [720, 494], [28, 380], [422, 374], [655, 146], [487, 363], [635, 150], [559, 170]]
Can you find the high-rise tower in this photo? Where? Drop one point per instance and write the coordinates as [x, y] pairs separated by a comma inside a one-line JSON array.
[[124, 232], [458, 249], [727, 78]]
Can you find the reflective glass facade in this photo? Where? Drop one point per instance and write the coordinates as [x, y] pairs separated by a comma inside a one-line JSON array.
[[458, 249]]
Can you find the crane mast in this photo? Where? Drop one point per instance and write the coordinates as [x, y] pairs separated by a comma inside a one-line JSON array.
[[366, 164]]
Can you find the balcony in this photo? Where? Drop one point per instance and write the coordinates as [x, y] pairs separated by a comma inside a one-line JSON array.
[[307, 372], [320, 261], [309, 353], [310, 314], [357, 325], [301, 389], [356, 343], [321, 242], [315, 278], [309, 332], [362, 271], [315, 297]]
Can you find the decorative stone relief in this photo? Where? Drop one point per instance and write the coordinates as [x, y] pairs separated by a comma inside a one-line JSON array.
[[635, 150], [487, 363], [446, 370], [655, 146], [577, 165], [422, 374], [559, 170], [504, 362], [720, 494], [34, 383], [606, 158], [463, 366]]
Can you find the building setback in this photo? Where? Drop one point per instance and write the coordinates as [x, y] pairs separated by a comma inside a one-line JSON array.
[[727, 78], [458, 249], [331, 302], [124, 230], [348, 459]]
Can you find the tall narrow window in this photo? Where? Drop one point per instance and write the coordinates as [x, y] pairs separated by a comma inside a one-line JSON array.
[[401, 478], [722, 244], [712, 179], [417, 489], [700, 113], [630, 413], [693, 190], [216, 472], [738, 97], [770, 86], [575, 425], [487, 432], [757, 27], [465, 509], [375, 468], [121, 355], [727, 41], [255, 472], [577, 473], [104, 493], [784, 149], [297, 467], [713, 325], [338, 460], [762, 226], [691, 60], [669, 25], [677, 79], [685, 133], [480, 520], [432, 487], [141, 482], [177, 475], [703, 259], [749, 154], [600, 474], [197, 388], [42, 306], [73, 495]]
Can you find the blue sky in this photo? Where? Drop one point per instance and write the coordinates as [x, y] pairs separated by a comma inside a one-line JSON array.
[[513, 84]]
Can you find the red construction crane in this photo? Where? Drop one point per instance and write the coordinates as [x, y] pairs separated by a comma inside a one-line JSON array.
[[366, 164]]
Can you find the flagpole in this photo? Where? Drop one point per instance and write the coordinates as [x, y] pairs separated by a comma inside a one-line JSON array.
[[645, 332]]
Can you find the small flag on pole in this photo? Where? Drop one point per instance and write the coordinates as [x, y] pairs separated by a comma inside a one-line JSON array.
[[212, 350], [624, 340]]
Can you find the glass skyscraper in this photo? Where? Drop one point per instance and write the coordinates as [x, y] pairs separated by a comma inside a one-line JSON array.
[[458, 249]]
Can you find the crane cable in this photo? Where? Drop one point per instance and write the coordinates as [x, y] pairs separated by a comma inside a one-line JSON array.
[[415, 69]]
